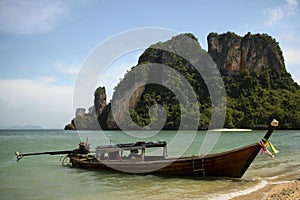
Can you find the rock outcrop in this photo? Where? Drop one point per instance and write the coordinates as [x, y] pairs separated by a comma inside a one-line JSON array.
[[90, 120], [99, 100], [249, 53], [80, 112]]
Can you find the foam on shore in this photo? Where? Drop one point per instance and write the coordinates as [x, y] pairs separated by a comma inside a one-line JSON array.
[[247, 191]]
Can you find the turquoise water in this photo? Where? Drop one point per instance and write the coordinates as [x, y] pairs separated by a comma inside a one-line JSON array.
[[43, 177]]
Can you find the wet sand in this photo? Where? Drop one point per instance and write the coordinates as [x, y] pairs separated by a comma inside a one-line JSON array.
[[285, 190]]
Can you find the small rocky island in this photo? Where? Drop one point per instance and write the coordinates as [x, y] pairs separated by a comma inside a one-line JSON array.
[[257, 84]]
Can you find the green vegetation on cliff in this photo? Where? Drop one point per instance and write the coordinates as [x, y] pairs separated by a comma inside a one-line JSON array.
[[254, 97], [257, 86]]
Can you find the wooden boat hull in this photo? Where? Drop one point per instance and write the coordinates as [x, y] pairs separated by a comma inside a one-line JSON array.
[[232, 163]]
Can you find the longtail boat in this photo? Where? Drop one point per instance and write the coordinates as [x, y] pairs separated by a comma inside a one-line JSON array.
[[233, 163]]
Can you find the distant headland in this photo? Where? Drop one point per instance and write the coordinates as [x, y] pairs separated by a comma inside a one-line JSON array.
[[19, 127]]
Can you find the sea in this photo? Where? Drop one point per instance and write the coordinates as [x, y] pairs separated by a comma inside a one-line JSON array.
[[44, 177]]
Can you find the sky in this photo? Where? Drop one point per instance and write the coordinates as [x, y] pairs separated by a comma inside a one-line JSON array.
[[44, 44]]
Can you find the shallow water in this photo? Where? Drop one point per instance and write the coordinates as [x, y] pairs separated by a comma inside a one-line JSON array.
[[43, 177]]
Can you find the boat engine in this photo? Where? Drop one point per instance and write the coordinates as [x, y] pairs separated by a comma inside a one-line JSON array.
[[84, 148]]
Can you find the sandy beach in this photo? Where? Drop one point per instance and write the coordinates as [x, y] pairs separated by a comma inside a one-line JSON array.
[[285, 190]]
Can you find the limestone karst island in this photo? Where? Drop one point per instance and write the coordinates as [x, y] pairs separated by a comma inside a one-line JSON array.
[[257, 84]]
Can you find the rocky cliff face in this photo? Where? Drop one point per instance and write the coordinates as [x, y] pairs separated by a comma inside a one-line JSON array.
[[249, 53], [99, 100], [124, 98]]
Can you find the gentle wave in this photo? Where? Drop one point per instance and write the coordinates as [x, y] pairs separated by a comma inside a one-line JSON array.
[[260, 185]]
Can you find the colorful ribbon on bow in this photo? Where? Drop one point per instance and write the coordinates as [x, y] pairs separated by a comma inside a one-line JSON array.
[[264, 143]]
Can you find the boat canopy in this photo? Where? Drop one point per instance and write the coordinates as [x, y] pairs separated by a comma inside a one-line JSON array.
[[116, 151], [132, 146]]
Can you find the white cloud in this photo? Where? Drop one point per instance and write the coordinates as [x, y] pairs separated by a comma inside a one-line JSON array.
[[279, 13], [38, 102], [292, 62], [274, 14], [34, 16], [292, 56], [292, 3], [66, 68], [47, 79], [291, 7], [71, 70]]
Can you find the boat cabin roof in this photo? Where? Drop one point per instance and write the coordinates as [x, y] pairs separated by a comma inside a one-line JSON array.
[[132, 146]]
